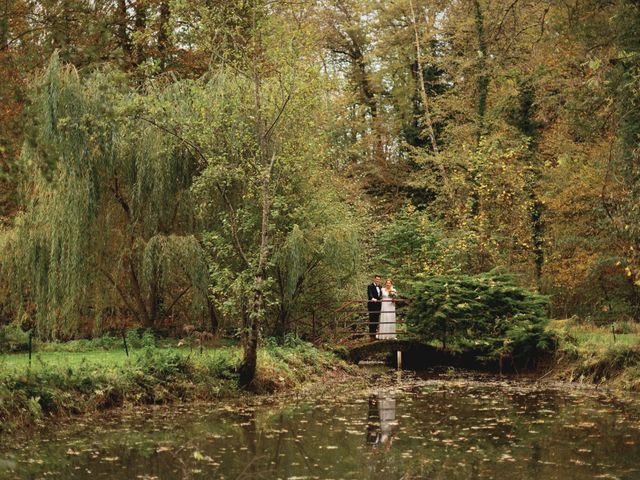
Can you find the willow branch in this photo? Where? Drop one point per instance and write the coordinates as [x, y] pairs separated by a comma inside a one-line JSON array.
[[196, 149], [178, 297], [111, 280]]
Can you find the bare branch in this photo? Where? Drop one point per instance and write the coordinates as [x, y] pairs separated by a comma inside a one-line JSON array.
[[234, 225], [178, 297], [196, 149], [120, 291], [278, 115]]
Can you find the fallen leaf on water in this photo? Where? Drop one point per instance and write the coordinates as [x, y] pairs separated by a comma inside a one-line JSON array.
[[198, 456]]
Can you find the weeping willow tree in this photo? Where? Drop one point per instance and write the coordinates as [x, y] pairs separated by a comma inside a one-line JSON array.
[[317, 259], [108, 230]]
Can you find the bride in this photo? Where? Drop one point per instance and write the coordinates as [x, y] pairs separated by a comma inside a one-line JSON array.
[[387, 325]]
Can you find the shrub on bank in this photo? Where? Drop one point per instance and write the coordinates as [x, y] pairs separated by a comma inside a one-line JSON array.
[[487, 314], [619, 362], [593, 354], [13, 339]]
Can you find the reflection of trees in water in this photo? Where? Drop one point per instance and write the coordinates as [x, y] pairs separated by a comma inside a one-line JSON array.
[[530, 404], [273, 447], [258, 465], [449, 429], [249, 437]]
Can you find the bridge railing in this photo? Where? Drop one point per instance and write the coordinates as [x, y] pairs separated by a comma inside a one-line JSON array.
[[352, 321]]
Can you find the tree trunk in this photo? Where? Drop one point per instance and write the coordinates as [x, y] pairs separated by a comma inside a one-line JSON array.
[[537, 229], [140, 24], [249, 362], [4, 27], [162, 35], [122, 34], [366, 91], [282, 327], [214, 321], [421, 86], [147, 321], [256, 315], [155, 299], [482, 85], [526, 123], [425, 99], [483, 78]]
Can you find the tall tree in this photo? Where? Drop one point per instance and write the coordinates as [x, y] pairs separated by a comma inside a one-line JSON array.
[[109, 221], [260, 101]]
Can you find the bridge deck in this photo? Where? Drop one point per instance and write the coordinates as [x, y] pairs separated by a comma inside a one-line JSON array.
[[352, 331]]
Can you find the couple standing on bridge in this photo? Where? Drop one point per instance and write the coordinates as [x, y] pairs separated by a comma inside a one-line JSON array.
[[382, 309]]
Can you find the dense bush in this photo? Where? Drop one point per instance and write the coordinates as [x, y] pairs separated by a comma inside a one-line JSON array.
[[13, 339], [486, 313]]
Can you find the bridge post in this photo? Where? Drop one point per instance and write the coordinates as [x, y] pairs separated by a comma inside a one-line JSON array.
[[399, 359]]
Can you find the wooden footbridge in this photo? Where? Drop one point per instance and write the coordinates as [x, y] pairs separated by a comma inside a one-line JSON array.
[[351, 332], [355, 343]]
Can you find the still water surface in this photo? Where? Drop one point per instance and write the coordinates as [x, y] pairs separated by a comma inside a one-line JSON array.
[[436, 426]]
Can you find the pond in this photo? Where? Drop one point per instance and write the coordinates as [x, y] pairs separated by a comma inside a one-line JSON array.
[[447, 425]]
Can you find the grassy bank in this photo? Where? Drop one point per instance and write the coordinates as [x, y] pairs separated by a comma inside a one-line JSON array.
[[59, 384], [600, 355]]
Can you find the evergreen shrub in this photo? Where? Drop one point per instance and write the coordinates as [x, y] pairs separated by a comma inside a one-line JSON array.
[[488, 314]]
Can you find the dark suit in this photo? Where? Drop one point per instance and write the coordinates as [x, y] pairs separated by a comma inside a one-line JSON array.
[[374, 308]]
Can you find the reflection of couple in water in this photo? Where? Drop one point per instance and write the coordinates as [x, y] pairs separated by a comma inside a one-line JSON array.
[[381, 419]]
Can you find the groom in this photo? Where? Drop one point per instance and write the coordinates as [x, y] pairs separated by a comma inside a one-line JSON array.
[[374, 305]]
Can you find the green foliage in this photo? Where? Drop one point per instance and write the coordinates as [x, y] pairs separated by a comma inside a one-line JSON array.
[[109, 226], [588, 352], [13, 339], [413, 245], [135, 338], [485, 313], [140, 339], [142, 192], [313, 231], [602, 366], [163, 365]]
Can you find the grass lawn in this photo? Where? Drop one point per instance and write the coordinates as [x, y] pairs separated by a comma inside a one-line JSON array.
[[605, 339], [18, 363], [590, 337]]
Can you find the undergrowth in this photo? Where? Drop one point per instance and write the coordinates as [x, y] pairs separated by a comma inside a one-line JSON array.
[[596, 354], [150, 376]]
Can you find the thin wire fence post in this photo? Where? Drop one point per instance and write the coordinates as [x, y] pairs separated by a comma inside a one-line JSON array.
[[30, 346]]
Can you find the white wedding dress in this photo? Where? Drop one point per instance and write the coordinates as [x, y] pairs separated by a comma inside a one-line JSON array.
[[387, 325]]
